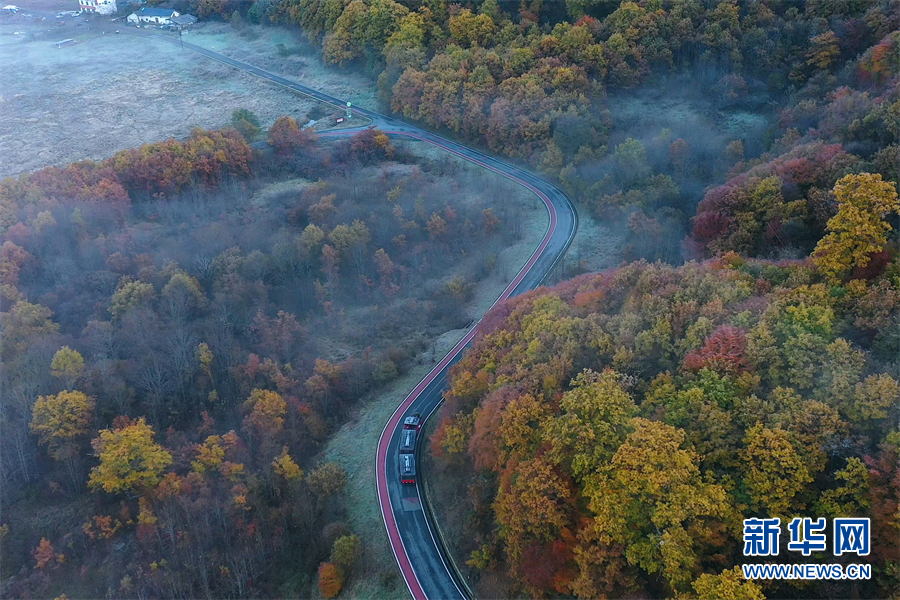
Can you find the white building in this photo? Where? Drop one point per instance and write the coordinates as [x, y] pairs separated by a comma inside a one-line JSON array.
[[156, 16], [101, 7]]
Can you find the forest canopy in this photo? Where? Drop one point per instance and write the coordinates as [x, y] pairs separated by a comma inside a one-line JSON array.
[[613, 431], [186, 324]]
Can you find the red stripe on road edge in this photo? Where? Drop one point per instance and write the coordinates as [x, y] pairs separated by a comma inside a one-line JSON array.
[[390, 523]]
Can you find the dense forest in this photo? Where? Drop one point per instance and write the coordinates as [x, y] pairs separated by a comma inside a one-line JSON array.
[[762, 381], [184, 326], [538, 81], [606, 437]]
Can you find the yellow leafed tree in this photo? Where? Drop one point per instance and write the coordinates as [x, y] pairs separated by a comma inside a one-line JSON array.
[[67, 365], [59, 420], [129, 294], [858, 229], [267, 413], [729, 585], [210, 454], [285, 466], [774, 473], [130, 461]]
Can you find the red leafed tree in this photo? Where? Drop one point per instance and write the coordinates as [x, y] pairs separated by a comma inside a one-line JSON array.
[[799, 170], [286, 136], [710, 225], [884, 482], [724, 350], [19, 234], [278, 336], [545, 566], [386, 268], [12, 258], [365, 147]]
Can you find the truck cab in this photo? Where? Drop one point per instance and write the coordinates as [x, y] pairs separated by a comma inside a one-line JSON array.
[[414, 421]]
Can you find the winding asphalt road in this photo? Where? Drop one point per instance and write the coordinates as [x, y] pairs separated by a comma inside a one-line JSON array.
[[421, 557]]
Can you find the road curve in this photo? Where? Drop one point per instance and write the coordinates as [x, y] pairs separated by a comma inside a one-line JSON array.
[[421, 557]]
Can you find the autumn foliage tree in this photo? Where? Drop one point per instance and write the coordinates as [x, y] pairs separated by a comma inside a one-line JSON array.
[[169, 166], [162, 317], [659, 486], [130, 460], [724, 351], [286, 136], [330, 580], [45, 555], [859, 228], [67, 365], [60, 420], [613, 431]]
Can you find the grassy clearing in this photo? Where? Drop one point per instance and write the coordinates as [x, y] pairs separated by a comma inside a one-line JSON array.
[[598, 245], [284, 53], [112, 92]]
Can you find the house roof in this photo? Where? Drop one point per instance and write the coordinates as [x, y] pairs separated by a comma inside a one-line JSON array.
[[184, 20], [156, 12]]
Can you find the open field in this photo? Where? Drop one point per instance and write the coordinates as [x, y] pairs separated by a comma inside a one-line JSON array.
[[298, 60], [111, 92]]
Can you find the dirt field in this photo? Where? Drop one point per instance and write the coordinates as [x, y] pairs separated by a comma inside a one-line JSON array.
[[111, 92]]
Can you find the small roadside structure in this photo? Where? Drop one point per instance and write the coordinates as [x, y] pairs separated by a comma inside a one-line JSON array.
[[182, 22], [157, 16]]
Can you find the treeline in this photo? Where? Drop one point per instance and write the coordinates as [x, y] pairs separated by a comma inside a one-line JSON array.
[[184, 325], [611, 433]]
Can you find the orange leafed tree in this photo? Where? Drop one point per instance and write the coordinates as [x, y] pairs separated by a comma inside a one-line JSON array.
[[330, 580], [286, 136], [723, 351], [45, 555]]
